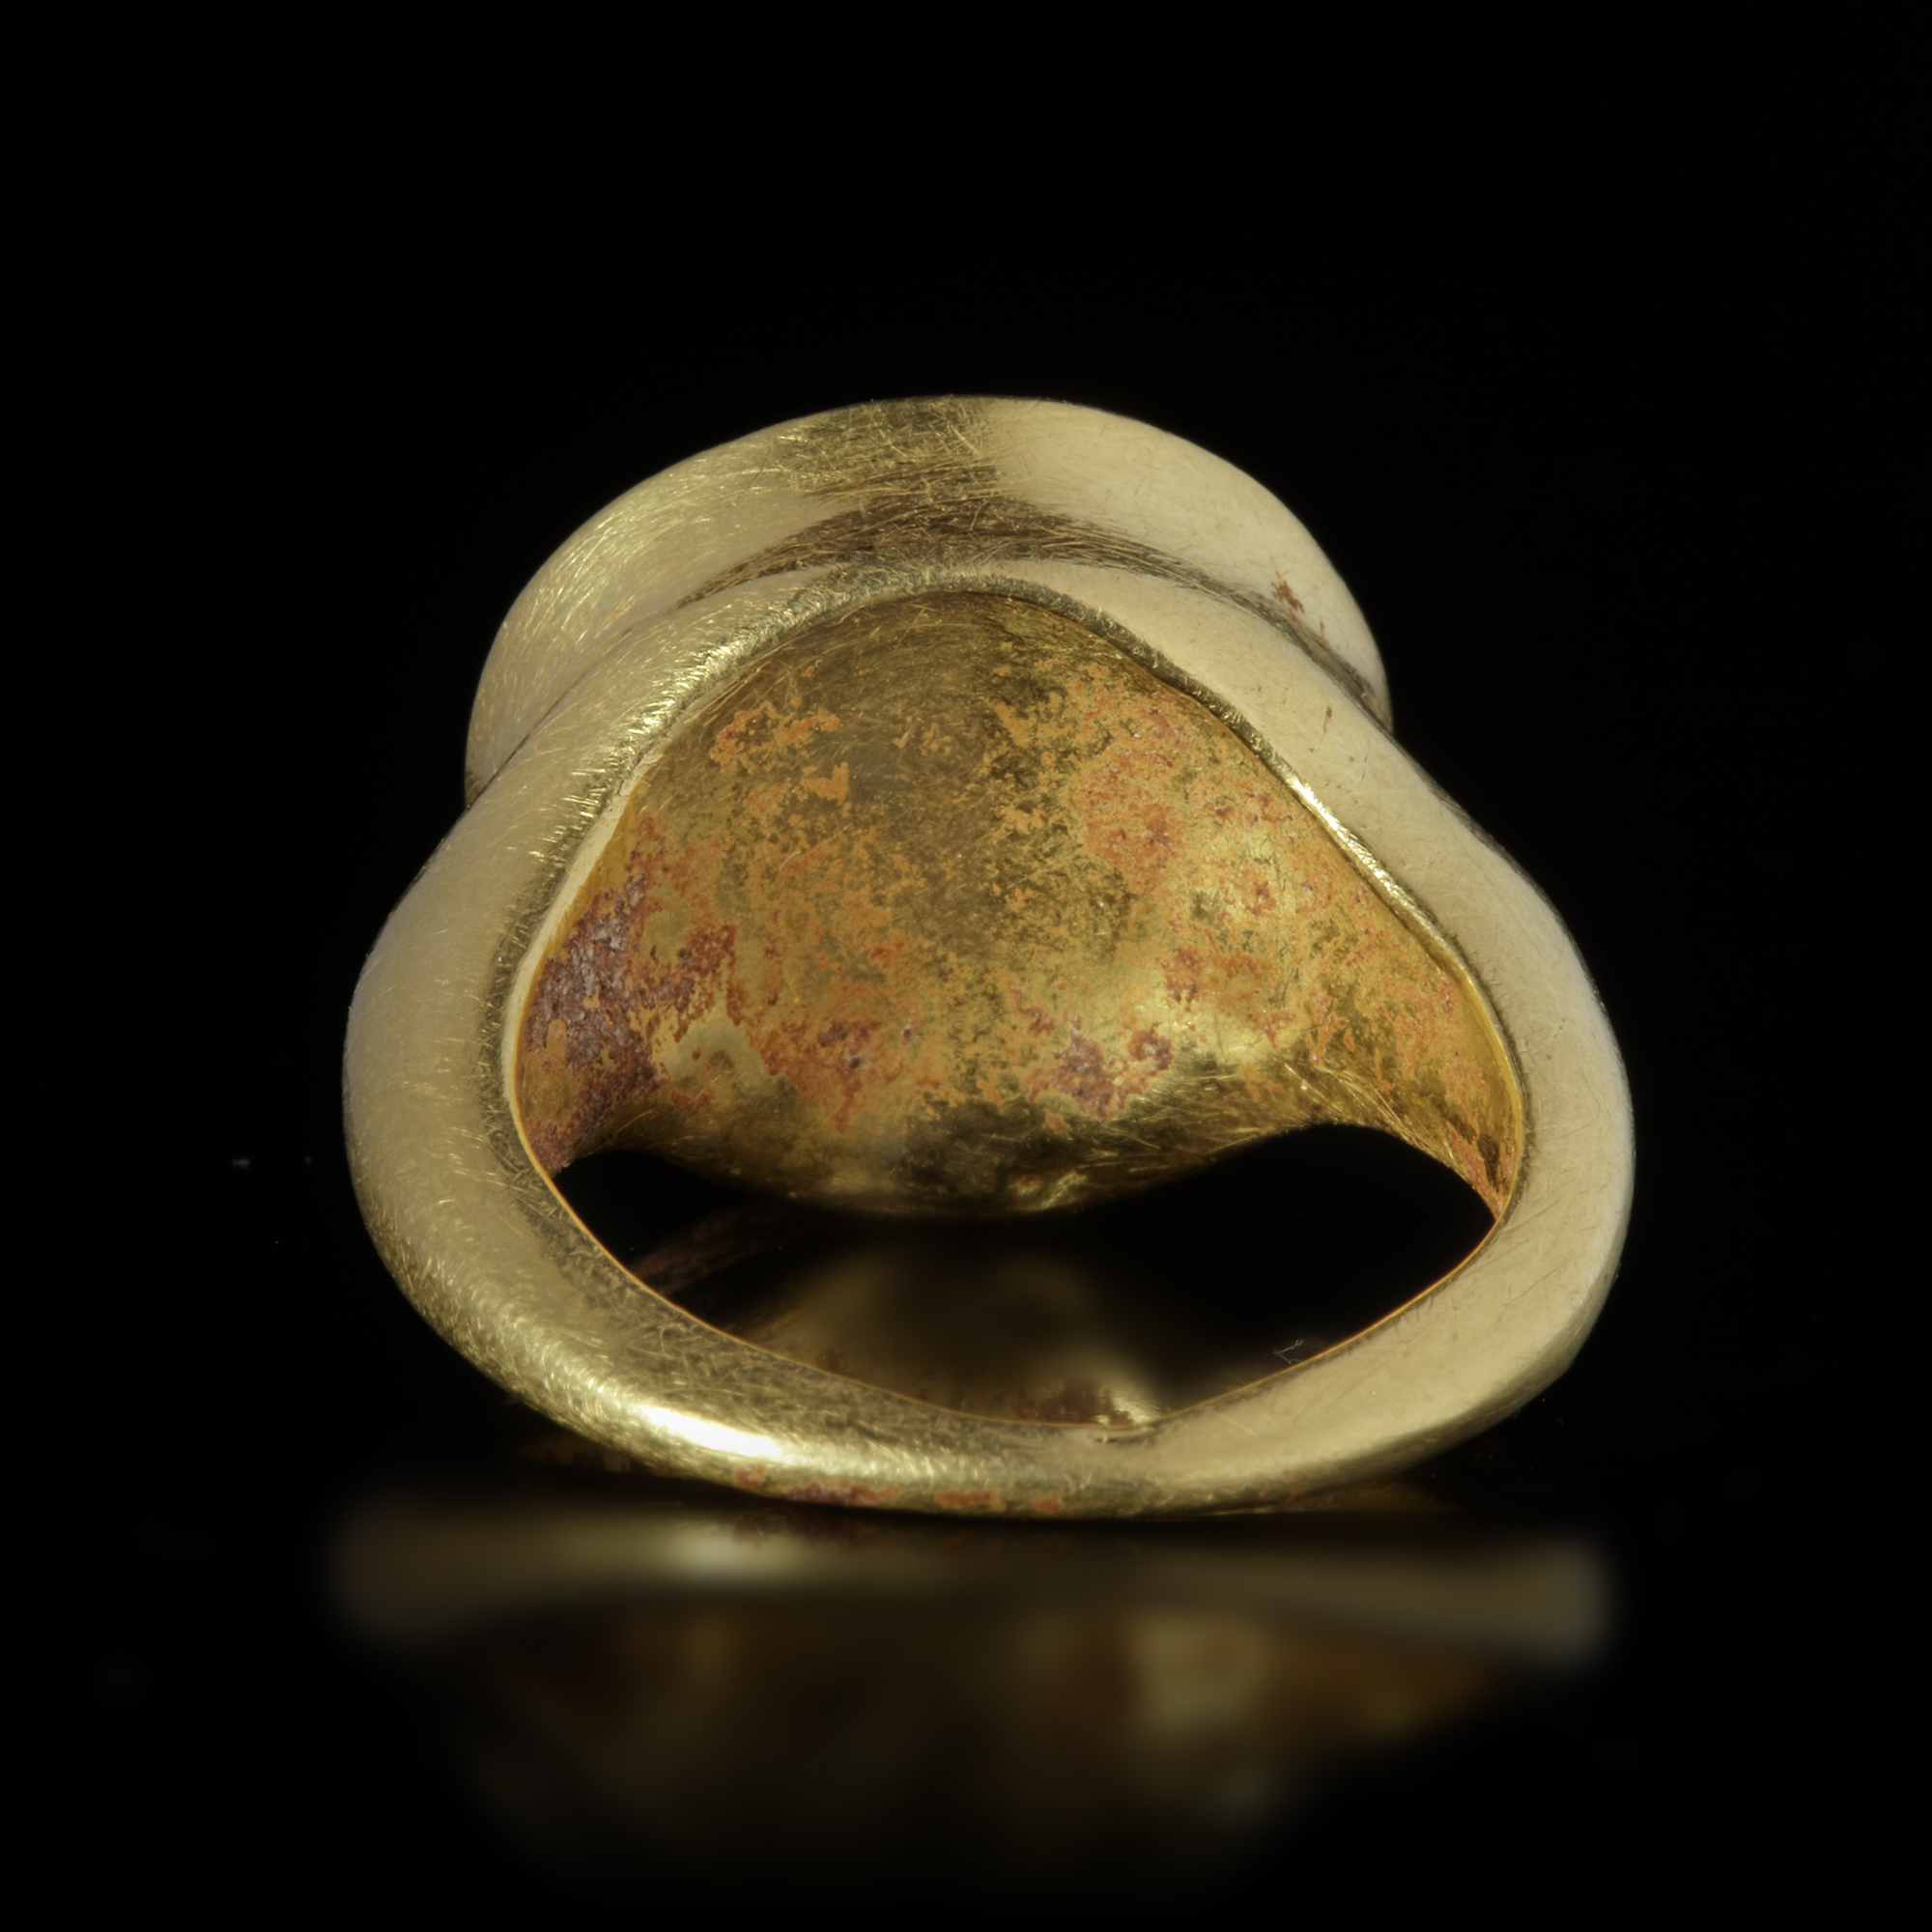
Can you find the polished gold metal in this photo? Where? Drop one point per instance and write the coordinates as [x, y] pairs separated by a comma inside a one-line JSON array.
[[974, 807]]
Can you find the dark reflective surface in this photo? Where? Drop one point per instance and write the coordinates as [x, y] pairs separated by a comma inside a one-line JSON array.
[[1121, 1312], [640, 1680]]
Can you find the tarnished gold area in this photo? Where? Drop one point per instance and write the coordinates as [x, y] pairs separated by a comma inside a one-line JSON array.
[[950, 904]]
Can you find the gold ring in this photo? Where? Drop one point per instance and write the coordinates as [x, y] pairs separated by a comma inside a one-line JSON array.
[[971, 808]]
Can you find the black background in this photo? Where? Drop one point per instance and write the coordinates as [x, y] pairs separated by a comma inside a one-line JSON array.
[[1576, 442]]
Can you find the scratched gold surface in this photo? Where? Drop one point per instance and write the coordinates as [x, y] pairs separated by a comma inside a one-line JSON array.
[[952, 905]]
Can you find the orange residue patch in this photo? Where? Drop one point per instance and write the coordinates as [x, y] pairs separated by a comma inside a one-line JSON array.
[[733, 740], [837, 788], [969, 1499]]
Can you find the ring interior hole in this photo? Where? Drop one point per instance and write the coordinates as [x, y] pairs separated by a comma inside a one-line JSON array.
[[1113, 1314]]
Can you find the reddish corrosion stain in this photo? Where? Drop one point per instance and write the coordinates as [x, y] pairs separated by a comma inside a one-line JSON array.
[[1081, 1074], [1046, 1505], [969, 1499], [606, 1010], [851, 1495], [1288, 596], [749, 1479]]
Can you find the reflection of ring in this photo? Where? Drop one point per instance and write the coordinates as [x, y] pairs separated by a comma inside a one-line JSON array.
[[970, 807]]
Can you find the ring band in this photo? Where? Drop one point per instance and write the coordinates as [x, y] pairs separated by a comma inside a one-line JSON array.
[[970, 807]]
